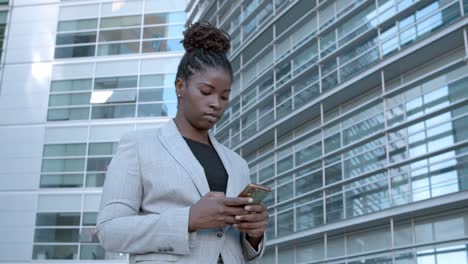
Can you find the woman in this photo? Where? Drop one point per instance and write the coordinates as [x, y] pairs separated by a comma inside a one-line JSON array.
[[170, 194]]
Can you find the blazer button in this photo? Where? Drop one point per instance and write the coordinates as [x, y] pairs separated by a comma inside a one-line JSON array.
[[219, 234]]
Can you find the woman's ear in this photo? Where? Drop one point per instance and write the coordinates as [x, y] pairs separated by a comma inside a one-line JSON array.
[[179, 87]]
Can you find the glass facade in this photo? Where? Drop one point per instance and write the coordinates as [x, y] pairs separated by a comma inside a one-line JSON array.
[[352, 112], [126, 89], [4, 8], [148, 95], [106, 35], [111, 70]]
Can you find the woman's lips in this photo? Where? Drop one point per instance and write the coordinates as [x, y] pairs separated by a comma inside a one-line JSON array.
[[211, 118]]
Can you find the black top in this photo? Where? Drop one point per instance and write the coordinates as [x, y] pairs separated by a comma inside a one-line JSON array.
[[215, 172]]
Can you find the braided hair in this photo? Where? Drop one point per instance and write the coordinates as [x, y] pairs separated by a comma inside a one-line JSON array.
[[205, 47]]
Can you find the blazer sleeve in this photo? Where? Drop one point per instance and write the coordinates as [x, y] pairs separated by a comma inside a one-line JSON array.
[[249, 252], [119, 226]]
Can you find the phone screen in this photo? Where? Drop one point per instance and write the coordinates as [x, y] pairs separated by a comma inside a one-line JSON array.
[[256, 192], [258, 195]]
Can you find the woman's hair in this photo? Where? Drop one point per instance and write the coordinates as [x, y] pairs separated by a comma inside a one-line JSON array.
[[205, 47]]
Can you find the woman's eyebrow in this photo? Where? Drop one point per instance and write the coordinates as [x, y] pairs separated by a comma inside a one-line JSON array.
[[207, 84]]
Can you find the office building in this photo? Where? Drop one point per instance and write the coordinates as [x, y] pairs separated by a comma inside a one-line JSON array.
[[75, 76], [356, 113]]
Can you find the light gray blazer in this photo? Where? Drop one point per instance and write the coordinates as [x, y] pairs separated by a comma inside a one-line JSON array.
[[151, 183]]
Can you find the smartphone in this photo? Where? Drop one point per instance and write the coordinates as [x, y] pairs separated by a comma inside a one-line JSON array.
[[255, 191]]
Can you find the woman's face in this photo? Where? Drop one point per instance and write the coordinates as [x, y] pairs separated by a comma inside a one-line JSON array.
[[204, 97]]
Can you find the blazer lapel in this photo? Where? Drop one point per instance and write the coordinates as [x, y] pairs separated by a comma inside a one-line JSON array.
[[172, 140], [232, 184]]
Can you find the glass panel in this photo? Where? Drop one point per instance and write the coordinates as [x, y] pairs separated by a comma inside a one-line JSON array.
[[75, 38], [309, 215], [367, 195], [62, 165], [69, 99], [71, 85], [89, 219], [58, 219], [333, 174], [73, 52], [162, 109], [118, 48], [61, 180], [159, 94], [285, 164], [309, 183], [285, 225], [309, 153], [116, 111], [124, 21], [334, 208], [108, 148], [335, 246], [162, 45], [115, 82], [55, 252], [157, 80], [109, 97], [95, 179], [266, 173], [163, 32], [51, 150], [369, 240], [92, 252], [88, 235], [98, 164], [285, 192], [73, 25], [165, 18], [56, 235], [370, 158], [119, 34], [68, 114]]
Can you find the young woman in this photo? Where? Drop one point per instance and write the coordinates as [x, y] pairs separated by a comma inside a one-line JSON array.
[[170, 193]]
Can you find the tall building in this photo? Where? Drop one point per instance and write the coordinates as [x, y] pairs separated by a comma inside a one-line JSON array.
[[356, 114], [75, 76]]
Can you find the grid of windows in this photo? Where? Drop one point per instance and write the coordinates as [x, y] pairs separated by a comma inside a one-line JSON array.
[[147, 95], [308, 62], [367, 158], [437, 239], [3, 24], [133, 34], [76, 165], [329, 159], [68, 235]]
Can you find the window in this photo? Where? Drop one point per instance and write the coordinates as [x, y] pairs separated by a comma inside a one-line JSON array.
[[120, 35], [61, 235]]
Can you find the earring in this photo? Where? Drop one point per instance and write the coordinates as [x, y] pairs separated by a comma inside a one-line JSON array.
[[178, 95]]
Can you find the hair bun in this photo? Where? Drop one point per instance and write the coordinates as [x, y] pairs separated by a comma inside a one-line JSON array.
[[203, 35]]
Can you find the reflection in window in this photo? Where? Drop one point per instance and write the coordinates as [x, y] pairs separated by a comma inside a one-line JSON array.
[[76, 51], [55, 252], [118, 48], [113, 111], [119, 34], [162, 45], [160, 109], [64, 233]]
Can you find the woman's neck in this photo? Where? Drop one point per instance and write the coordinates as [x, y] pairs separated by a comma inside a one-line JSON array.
[[188, 131]]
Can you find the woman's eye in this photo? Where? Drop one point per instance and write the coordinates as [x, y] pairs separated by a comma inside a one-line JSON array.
[[204, 92], [225, 98]]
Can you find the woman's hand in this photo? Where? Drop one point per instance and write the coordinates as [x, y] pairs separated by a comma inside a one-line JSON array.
[[254, 223], [215, 210]]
